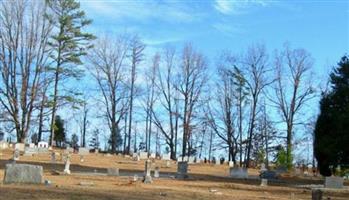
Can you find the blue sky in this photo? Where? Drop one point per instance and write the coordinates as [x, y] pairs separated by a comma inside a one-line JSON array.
[[321, 27]]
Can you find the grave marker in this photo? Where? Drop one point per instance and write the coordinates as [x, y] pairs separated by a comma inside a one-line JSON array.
[[113, 171], [147, 173], [182, 170], [23, 173], [238, 172], [334, 182]]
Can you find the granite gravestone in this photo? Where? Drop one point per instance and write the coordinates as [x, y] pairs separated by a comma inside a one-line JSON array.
[[334, 182], [182, 170], [23, 173]]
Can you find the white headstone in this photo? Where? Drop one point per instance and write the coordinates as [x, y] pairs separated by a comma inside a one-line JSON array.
[[191, 159], [20, 146], [166, 156], [32, 145], [43, 144], [231, 163], [263, 168], [153, 155], [3, 145], [143, 155]]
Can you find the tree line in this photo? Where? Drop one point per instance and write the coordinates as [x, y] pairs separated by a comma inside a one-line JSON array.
[[44, 46]]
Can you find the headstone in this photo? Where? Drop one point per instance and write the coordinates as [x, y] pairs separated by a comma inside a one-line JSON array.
[[113, 171], [168, 163], [20, 146], [191, 159], [263, 168], [264, 182], [269, 174], [136, 158], [43, 144], [83, 151], [134, 155], [238, 172], [231, 163], [143, 155], [147, 172], [316, 194], [23, 173], [153, 155], [297, 171], [16, 155], [67, 165], [166, 156], [32, 145], [135, 178], [156, 172], [53, 157], [334, 182], [3, 145], [182, 170], [30, 151], [81, 158]]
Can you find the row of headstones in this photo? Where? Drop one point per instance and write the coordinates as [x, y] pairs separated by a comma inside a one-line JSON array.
[[242, 173]]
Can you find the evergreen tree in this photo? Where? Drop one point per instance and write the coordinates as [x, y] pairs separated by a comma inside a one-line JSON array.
[[74, 141], [94, 142], [59, 129], [331, 131], [68, 44]]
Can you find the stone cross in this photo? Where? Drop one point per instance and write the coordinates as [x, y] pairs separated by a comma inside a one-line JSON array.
[[147, 174], [67, 165]]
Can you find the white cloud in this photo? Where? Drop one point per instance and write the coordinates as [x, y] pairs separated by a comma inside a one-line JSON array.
[[234, 7], [143, 10]]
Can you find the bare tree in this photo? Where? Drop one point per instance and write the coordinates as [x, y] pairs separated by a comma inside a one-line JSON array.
[[292, 88], [166, 84], [108, 61], [136, 47], [150, 99], [255, 64], [191, 81], [223, 111], [24, 34]]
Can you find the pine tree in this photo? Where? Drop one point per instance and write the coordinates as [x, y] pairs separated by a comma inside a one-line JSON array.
[[59, 130], [68, 43], [331, 131]]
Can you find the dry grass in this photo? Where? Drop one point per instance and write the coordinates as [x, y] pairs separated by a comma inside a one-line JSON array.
[[206, 182]]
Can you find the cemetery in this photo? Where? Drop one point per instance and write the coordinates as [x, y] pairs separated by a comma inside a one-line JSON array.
[[174, 100], [114, 176]]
